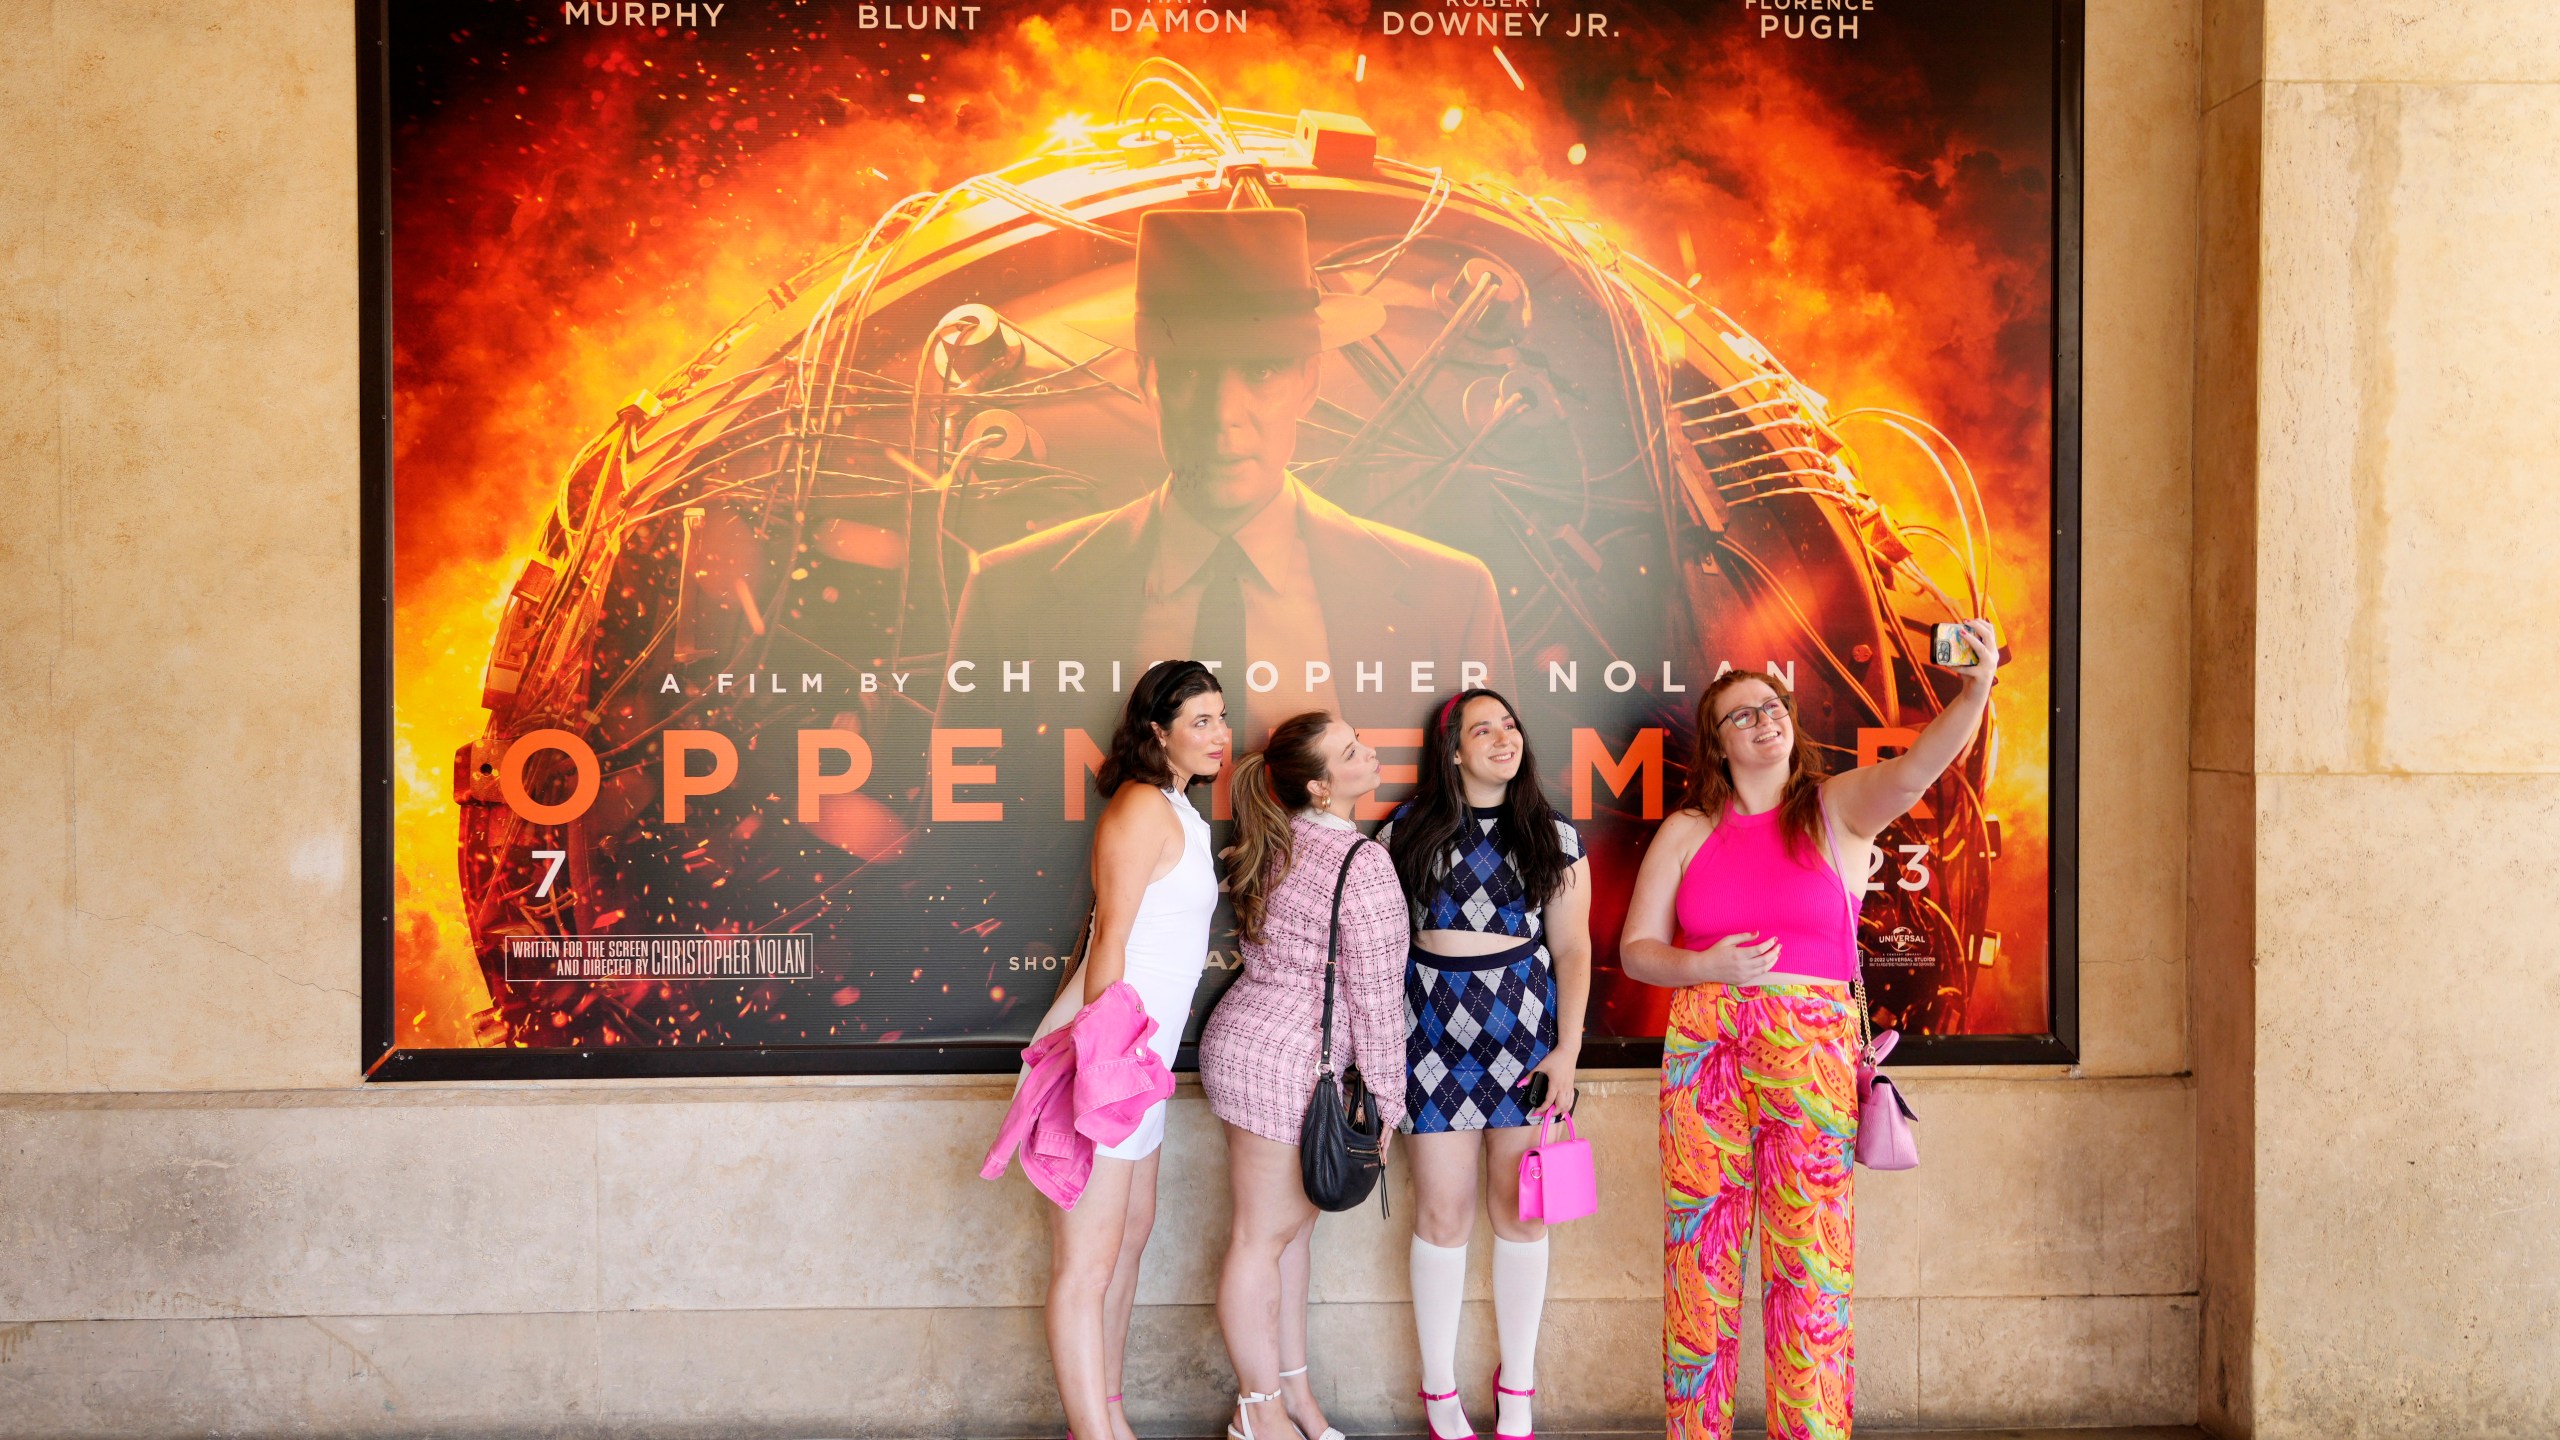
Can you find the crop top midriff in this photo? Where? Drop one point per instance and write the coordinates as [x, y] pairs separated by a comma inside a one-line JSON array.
[[1748, 880], [1479, 888]]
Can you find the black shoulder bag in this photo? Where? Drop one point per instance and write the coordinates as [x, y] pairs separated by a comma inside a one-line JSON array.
[[1341, 1144]]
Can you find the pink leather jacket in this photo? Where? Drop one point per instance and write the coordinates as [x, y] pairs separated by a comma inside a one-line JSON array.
[[1085, 1084]]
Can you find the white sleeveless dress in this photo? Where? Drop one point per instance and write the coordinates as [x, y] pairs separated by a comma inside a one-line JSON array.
[[1168, 949]]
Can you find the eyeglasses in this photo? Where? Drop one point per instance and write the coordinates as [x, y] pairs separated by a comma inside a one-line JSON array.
[[1752, 717]]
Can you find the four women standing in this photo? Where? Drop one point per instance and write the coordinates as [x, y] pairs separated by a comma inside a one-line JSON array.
[[1744, 906]]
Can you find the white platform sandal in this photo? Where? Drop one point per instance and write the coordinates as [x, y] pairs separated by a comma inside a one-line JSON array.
[[1248, 1398], [1329, 1432]]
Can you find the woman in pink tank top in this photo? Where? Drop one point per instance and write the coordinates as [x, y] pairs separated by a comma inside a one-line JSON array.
[[1742, 907]]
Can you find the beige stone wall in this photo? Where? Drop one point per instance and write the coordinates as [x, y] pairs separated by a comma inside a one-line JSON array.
[[2388, 797], [206, 1222]]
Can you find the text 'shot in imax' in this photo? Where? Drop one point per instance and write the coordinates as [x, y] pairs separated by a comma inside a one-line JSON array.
[[777, 593]]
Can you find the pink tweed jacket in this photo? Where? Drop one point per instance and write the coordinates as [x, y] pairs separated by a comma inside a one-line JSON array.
[[1258, 1052]]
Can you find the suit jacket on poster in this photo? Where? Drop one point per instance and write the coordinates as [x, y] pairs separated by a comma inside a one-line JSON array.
[[1074, 592], [979, 903]]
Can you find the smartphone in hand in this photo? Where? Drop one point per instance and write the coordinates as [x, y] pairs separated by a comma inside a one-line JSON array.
[[1951, 647], [1537, 1095]]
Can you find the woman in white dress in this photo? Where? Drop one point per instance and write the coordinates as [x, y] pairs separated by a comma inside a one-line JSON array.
[[1155, 888]]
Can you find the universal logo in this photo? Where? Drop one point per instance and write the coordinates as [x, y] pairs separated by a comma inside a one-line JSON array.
[[1895, 947], [647, 15]]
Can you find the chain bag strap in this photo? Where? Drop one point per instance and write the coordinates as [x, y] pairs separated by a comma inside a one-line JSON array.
[[1884, 1138]]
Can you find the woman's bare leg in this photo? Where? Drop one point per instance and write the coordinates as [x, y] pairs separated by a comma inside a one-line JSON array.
[[1084, 1252], [1297, 1387], [1271, 1210], [1120, 1301], [1503, 1149], [1445, 1166]]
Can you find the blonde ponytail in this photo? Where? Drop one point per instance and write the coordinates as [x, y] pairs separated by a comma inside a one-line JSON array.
[[1259, 860]]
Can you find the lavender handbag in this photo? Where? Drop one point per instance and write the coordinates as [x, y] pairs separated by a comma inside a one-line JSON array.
[[1885, 1141]]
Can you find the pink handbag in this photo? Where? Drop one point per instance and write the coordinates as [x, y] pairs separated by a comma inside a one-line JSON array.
[[1556, 1179], [1885, 1141], [1884, 1122]]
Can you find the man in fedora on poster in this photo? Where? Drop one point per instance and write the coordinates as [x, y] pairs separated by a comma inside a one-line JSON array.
[[1232, 560]]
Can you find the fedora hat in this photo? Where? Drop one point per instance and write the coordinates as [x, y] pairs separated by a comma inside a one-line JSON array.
[[1229, 284]]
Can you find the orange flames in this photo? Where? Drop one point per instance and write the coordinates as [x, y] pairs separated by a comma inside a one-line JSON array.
[[596, 207]]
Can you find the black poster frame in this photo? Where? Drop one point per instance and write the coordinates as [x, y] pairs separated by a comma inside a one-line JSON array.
[[380, 1059]]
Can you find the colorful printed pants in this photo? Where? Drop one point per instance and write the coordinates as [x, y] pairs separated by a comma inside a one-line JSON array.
[[1759, 1110]]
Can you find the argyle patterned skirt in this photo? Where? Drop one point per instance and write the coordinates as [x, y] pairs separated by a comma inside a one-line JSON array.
[[1472, 1037]]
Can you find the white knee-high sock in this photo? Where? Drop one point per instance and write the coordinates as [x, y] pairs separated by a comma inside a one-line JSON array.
[[1519, 1299], [1439, 1277]]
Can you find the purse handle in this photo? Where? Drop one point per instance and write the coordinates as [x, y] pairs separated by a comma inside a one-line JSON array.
[[1547, 1127], [1857, 957], [1332, 943]]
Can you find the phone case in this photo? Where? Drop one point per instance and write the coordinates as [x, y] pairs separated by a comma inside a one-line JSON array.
[[1948, 646]]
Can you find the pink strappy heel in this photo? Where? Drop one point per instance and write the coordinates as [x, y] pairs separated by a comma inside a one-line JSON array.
[[1501, 1389], [1107, 1400], [1427, 1397]]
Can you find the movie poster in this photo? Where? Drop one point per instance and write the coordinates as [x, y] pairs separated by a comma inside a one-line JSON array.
[[777, 508]]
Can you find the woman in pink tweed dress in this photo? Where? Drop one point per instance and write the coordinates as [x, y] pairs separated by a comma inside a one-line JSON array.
[[1258, 1054]]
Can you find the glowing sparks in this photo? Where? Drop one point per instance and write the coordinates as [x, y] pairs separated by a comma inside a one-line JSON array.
[[1579, 153], [914, 99], [1070, 132], [1359, 69], [1451, 118], [1516, 82]]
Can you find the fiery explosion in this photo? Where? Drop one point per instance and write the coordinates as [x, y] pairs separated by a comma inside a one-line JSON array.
[[596, 203]]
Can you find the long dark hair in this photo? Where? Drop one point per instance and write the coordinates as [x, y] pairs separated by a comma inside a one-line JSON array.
[[1268, 788], [1711, 791], [1137, 752], [1428, 824]]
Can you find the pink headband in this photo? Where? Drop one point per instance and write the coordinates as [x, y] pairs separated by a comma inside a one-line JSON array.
[[1445, 707]]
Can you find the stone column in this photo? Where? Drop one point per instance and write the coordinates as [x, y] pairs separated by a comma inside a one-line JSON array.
[[2376, 785]]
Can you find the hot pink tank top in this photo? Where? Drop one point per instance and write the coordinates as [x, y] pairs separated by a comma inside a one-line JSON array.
[[1746, 880]]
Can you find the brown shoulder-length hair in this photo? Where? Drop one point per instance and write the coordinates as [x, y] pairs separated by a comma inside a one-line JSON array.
[[1268, 787], [1137, 751], [1711, 792]]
